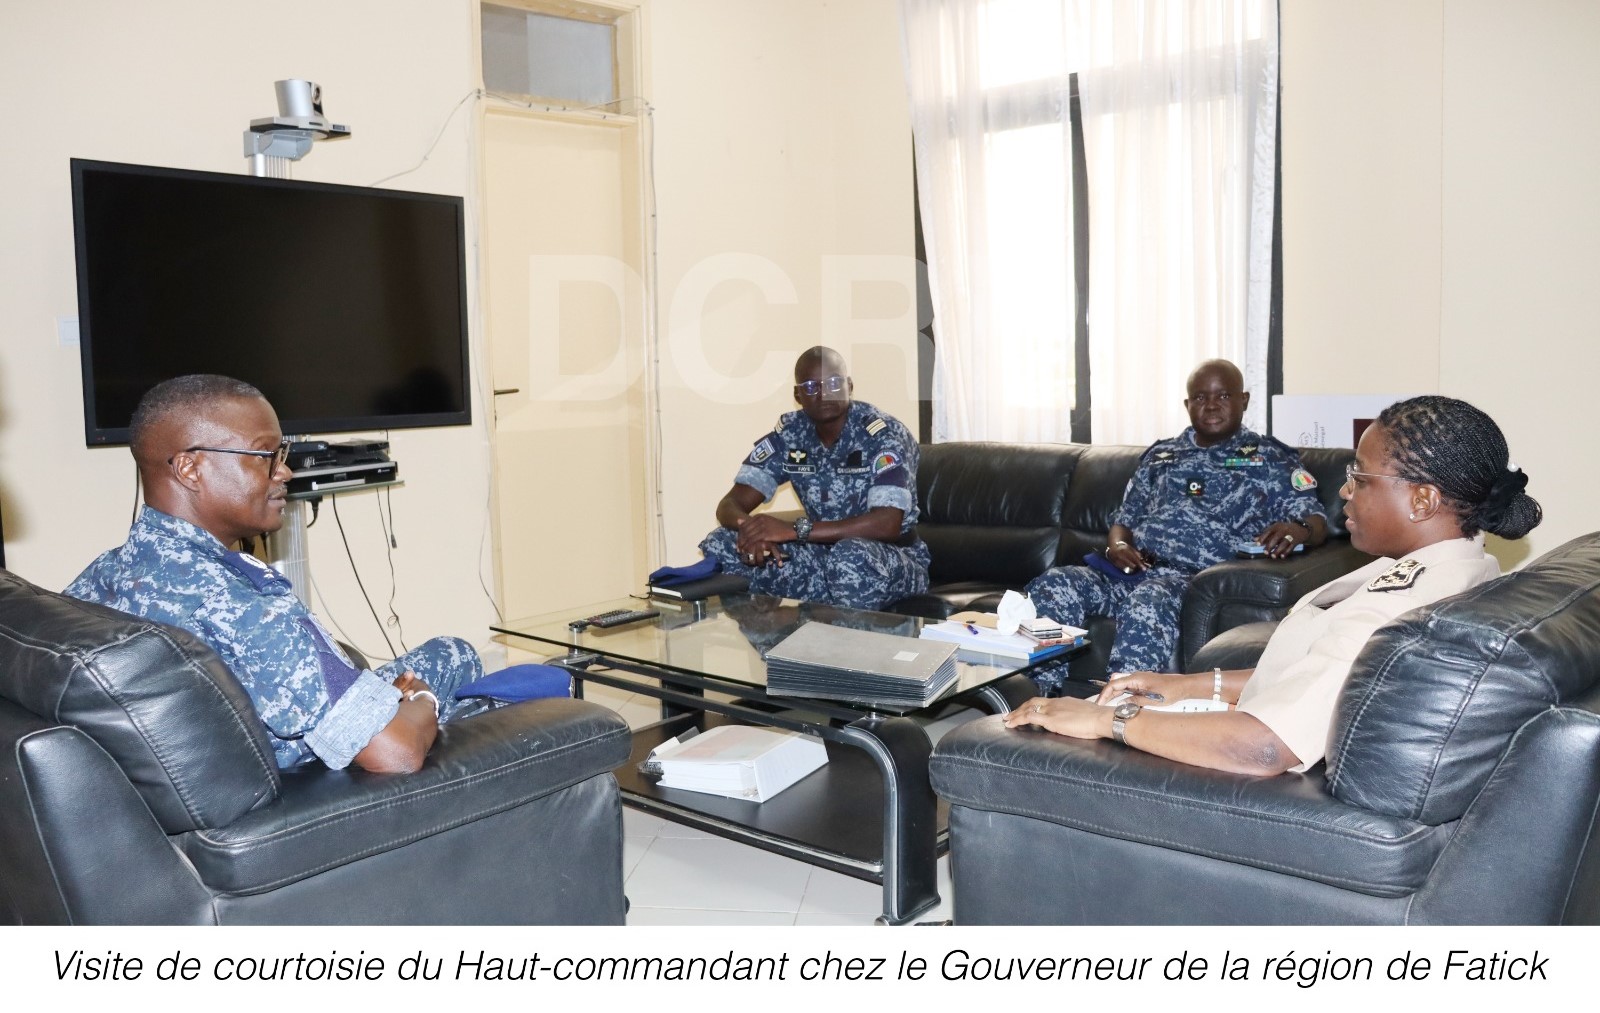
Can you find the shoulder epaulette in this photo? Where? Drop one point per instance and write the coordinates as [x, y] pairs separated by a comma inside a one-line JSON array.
[[1397, 577], [876, 426]]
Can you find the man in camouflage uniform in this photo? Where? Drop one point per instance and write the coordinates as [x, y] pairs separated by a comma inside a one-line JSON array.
[[211, 463], [1192, 502], [855, 471]]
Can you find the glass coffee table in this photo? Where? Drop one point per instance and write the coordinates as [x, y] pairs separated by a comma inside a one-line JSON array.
[[868, 813]]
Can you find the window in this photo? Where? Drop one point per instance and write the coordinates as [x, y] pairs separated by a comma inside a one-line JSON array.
[[545, 55], [1091, 196]]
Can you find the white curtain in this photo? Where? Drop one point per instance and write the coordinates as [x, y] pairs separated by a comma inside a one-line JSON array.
[[1179, 102]]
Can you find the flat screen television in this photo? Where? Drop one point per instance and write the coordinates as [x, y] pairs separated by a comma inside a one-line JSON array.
[[346, 306]]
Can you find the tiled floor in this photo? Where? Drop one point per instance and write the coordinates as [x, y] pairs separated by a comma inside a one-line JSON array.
[[677, 875]]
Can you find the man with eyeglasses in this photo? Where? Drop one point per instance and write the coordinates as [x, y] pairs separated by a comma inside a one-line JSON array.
[[1192, 502], [211, 463], [855, 471]]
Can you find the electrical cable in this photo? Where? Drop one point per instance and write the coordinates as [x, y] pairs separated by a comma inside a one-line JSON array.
[[334, 499], [485, 397], [652, 333], [327, 613], [474, 93], [390, 544]]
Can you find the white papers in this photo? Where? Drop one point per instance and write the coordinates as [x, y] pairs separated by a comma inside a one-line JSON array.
[[741, 761], [1199, 706], [987, 641], [981, 632]]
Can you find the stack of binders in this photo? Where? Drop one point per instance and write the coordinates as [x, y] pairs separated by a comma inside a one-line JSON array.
[[860, 666]]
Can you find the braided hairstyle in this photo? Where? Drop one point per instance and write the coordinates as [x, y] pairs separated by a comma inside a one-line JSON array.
[[1457, 448], [184, 395]]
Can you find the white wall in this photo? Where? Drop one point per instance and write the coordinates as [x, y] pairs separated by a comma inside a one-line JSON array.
[[1441, 220], [175, 83], [783, 147], [1520, 318]]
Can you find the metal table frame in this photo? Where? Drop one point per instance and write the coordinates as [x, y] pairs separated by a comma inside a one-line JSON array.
[[897, 747]]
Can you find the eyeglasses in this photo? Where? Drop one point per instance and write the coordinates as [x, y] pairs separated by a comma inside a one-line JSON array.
[[1220, 397], [1351, 474], [811, 388], [276, 456]]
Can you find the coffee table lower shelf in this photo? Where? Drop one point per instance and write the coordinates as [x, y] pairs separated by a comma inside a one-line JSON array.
[[832, 818]]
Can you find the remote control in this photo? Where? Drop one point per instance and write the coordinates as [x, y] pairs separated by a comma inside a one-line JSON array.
[[619, 617]]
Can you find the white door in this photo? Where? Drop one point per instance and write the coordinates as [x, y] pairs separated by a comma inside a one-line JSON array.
[[561, 241]]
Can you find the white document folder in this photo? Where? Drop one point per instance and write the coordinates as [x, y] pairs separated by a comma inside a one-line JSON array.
[[741, 761]]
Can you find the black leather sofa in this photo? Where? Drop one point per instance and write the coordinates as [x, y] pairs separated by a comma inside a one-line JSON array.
[[996, 515], [1461, 786], [137, 787]]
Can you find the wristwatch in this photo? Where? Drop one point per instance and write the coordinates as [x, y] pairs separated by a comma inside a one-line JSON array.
[[802, 529], [1125, 712]]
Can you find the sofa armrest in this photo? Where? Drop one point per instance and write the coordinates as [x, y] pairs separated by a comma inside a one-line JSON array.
[[480, 765], [1258, 590], [1287, 824], [1239, 647]]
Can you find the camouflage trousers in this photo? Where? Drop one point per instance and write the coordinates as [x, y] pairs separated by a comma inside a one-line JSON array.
[[855, 573], [1147, 613], [445, 664]]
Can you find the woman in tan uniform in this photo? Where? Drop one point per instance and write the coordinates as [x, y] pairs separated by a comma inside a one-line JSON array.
[[1430, 476]]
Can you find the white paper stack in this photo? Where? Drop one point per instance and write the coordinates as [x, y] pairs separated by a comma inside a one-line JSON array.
[[740, 761], [988, 640]]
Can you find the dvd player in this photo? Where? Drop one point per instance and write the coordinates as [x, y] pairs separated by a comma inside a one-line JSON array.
[[314, 481]]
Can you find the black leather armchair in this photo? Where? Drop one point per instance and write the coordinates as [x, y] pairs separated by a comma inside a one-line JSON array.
[[1462, 785], [137, 786], [996, 515]]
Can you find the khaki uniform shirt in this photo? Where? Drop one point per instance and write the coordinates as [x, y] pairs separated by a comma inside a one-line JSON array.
[[1296, 683]]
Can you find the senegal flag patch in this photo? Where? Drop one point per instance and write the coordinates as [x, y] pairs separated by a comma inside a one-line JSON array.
[[1302, 480]]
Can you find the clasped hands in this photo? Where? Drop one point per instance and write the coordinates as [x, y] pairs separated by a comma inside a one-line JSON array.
[[759, 537], [1279, 540]]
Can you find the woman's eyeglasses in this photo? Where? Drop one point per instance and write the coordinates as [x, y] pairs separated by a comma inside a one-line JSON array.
[[811, 388], [276, 456], [1351, 474]]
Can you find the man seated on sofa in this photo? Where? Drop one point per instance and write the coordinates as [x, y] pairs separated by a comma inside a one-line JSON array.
[[211, 463], [855, 471], [1192, 502]]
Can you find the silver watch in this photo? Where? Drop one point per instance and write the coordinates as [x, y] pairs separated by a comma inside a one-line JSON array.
[[1125, 712], [802, 529]]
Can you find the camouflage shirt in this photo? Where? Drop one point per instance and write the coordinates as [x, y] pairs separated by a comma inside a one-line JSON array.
[[312, 700], [873, 464], [1192, 507]]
